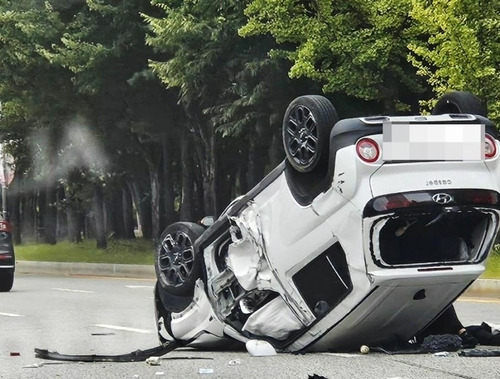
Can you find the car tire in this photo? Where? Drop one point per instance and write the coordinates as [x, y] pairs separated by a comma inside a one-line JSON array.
[[307, 124], [6, 279], [460, 102], [177, 264]]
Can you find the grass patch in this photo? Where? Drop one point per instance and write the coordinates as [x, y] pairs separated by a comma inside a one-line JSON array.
[[139, 251], [493, 265]]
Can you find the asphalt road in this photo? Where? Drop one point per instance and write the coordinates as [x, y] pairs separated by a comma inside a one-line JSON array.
[[82, 315]]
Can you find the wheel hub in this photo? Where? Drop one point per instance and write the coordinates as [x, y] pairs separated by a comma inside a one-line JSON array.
[[177, 258], [302, 135]]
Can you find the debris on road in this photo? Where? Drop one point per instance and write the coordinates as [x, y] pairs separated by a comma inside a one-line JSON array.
[[35, 365], [364, 349], [442, 354], [259, 348], [206, 371], [153, 361], [480, 353], [134, 356]]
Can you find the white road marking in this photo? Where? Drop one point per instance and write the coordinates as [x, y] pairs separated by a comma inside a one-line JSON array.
[[10, 314], [69, 290], [116, 327], [148, 287]]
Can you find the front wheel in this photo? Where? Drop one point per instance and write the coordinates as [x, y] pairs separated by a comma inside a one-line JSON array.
[[177, 264], [6, 279]]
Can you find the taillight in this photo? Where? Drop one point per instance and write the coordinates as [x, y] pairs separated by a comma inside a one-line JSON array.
[[5, 226], [368, 150], [384, 203], [490, 147]]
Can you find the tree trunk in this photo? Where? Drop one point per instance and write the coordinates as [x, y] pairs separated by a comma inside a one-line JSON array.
[[258, 154], [50, 215], [155, 203], [276, 151], [100, 227], [115, 213], [143, 204], [14, 201], [128, 214], [61, 224], [186, 213], [75, 224], [27, 227], [168, 181], [204, 146]]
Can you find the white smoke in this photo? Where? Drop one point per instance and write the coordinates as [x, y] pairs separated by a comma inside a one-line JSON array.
[[78, 147]]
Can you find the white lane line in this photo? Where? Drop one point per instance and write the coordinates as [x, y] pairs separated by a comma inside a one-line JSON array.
[[116, 327], [148, 287], [69, 290], [10, 314]]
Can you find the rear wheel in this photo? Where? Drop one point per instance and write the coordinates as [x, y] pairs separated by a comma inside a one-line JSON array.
[[460, 102], [177, 264], [307, 124], [6, 279]]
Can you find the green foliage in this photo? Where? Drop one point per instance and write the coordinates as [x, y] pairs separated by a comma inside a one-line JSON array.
[[230, 79], [493, 265], [458, 48], [357, 48], [95, 41], [138, 251]]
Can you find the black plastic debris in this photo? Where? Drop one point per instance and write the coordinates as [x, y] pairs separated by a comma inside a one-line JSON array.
[[442, 342], [480, 353], [135, 356]]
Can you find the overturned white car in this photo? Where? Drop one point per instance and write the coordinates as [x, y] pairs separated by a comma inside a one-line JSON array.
[[367, 231]]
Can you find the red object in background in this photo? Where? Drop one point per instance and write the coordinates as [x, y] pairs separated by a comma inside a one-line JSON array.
[[5, 226]]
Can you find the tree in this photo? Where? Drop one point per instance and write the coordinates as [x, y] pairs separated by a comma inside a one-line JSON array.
[[459, 48], [35, 95], [232, 92], [355, 48]]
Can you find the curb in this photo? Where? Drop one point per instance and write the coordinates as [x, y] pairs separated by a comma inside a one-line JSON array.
[[484, 288], [481, 287], [90, 269]]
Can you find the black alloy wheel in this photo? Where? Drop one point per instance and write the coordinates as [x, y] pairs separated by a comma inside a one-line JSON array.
[[307, 124], [177, 263]]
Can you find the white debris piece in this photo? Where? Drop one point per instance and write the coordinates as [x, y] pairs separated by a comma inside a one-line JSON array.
[[275, 319], [259, 348], [153, 361], [206, 371]]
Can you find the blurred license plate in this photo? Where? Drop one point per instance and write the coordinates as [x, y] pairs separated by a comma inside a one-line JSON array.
[[404, 141]]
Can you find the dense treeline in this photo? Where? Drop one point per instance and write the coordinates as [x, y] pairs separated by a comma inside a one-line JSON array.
[[138, 113]]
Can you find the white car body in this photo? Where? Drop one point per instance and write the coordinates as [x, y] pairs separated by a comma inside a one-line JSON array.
[[330, 272]]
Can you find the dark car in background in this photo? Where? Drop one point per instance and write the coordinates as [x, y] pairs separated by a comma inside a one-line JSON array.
[[7, 257]]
